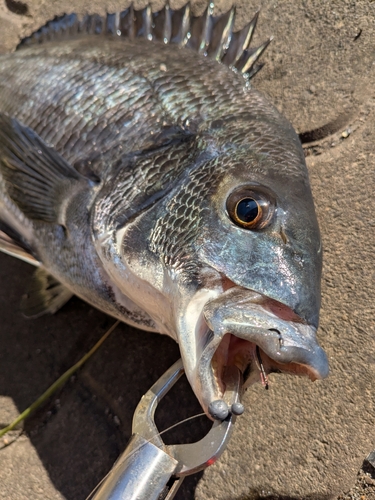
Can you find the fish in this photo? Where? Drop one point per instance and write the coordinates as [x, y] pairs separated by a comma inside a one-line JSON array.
[[141, 171]]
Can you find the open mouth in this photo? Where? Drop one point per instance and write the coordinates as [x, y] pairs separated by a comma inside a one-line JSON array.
[[259, 336], [254, 363]]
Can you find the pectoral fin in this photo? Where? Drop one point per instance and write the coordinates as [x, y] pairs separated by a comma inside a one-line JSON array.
[[44, 295], [10, 247], [12, 243], [37, 179]]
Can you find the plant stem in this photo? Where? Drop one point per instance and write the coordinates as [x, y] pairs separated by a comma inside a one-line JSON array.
[[58, 383]]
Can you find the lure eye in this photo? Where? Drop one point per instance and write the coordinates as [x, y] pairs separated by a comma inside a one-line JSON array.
[[250, 209]]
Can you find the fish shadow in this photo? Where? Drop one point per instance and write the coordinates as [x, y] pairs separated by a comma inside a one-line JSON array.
[[81, 430]]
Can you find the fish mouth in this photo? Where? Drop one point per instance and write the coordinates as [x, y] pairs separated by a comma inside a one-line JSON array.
[[259, 336]]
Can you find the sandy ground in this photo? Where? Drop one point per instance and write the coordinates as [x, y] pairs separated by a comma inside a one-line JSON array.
[[298, 440]]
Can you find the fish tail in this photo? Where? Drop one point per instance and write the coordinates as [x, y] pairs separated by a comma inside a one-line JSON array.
[[210, 35]]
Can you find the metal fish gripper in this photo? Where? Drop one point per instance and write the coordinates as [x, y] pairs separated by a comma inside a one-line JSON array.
[[149, 469]]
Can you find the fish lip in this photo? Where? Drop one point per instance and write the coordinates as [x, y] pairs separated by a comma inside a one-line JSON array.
[[287, 346]]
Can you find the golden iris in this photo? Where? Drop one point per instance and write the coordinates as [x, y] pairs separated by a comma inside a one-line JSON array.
[[251, 207]]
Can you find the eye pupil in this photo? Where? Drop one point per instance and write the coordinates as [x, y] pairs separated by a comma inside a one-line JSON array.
[[247, 210], [250, 207]]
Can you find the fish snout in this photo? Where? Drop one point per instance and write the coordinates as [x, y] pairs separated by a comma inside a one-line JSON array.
[[242, 329], [245, 329], [311, 356]]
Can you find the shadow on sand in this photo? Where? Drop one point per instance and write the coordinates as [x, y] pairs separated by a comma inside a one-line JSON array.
[[81, 431]]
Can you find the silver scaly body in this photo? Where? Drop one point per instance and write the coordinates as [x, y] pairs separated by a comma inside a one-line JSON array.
[[118, 159]]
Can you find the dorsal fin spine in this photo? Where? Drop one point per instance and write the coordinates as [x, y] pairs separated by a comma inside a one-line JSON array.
[[185, 25], [117, 23], [251, 60], [167, 32], [147, 19], [249, 30], [252, 26], [226, 36], [208, 35]]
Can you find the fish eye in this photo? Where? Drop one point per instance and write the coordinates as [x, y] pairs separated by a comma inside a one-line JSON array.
[[250, 208], [247, 212]]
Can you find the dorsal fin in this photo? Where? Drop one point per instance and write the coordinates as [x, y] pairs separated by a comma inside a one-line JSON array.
[[210, 35]]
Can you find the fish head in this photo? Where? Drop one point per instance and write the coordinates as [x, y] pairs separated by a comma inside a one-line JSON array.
[[234, 254], [259, 232]]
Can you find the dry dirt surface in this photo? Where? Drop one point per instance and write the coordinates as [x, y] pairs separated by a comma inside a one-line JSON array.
[[298, 440]]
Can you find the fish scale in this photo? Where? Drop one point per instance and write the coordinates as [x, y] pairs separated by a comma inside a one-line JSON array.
[[174, 234], [127, 144]]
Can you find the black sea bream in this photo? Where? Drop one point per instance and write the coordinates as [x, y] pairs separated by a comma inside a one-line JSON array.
[[142, 172]]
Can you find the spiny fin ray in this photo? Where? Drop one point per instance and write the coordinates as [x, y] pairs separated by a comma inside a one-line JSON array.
[[249, 67], [206, 34], [221, 35], [240, 43]]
